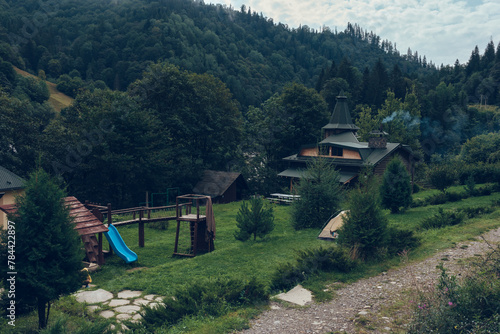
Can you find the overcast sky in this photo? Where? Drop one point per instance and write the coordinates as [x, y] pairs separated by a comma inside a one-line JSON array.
[[442, 30]]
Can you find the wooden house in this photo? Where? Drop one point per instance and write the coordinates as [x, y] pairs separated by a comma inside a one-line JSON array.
[[87, 224], [222, 187], [11, 186], [341, 146]]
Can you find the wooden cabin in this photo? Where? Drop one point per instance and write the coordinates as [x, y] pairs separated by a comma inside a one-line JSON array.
[[222, 187], [341, 145]]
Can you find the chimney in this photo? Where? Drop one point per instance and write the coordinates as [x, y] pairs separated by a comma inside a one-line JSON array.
[[377, 139]]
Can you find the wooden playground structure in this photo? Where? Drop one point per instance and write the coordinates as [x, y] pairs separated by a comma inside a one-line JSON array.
[[201, 228]]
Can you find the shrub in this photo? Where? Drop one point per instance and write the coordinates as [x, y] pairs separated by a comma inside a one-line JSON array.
[[214, 297], [257, 221], [437, 199], [455, 196], [416, 188], [442, 219], [470, 305], [401, 240], [310, 262], [442, 176], [395, 190]]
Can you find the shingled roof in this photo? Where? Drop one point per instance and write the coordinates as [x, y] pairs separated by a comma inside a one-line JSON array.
[[85, 222], [215, 183], [9, 180], [341, 117]]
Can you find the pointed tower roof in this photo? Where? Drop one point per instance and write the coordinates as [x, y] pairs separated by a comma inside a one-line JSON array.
[[341, 117]]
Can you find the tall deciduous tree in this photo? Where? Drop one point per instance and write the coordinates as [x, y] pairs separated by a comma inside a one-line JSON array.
[[48, 254], [395, 190], [305, 112], [320, 195], [202, 118]]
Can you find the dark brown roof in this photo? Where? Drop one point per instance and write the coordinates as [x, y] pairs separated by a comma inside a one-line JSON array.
[[86, 222], [215, 183]]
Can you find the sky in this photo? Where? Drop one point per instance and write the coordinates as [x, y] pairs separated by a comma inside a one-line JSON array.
[[442, 30]]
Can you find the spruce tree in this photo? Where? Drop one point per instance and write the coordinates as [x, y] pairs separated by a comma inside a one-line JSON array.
[[320, 195], [48, 255], [396, 187], [258, 220], [365, 226]]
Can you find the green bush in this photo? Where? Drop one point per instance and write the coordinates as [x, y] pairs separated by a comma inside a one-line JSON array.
[[213, 297], [452, 196], [480, 171], [401, 240], [442, 219], [310, 262], [442, 176], [469, 305]]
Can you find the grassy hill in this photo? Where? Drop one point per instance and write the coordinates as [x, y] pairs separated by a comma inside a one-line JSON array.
[[57, 99]]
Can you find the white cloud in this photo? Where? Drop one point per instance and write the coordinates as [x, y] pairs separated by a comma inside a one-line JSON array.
[[443, 30]]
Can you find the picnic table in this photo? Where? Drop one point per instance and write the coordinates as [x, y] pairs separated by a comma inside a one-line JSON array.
[[283, 198]]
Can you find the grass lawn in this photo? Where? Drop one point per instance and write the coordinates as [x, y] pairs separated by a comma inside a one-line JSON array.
[[159, 273]]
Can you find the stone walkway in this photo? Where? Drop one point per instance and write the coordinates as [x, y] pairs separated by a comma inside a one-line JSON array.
[[124, 306]]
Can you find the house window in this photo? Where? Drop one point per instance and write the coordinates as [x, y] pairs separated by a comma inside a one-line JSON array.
[[323, 150], [337, 151]]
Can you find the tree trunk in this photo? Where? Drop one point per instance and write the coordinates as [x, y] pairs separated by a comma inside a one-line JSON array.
[[42, 320]]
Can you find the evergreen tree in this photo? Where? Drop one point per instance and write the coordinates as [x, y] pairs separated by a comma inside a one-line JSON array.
[[396, 187], [320, 195], [365, 227], [48, 251], [258, 220]]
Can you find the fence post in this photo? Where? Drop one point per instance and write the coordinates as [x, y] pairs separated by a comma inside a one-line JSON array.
[[110, 222], [141, 229]]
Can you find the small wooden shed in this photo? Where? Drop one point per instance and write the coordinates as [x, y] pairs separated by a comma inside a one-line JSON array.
[[11, 186], [222, 187], [86, 224]]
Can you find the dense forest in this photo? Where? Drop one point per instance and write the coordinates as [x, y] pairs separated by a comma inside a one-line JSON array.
[[165, 89]]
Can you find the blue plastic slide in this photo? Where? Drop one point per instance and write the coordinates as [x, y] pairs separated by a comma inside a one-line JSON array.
[[116, 242]]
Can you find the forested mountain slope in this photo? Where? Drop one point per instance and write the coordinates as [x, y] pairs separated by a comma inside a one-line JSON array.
[[115, 41]]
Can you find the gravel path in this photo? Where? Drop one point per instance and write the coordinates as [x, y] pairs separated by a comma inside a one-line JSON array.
[[363, 301]]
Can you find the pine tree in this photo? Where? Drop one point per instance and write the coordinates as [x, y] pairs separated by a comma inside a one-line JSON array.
[[258, 220], [320, 195], [396, 187], [48, 255], [365, 227]]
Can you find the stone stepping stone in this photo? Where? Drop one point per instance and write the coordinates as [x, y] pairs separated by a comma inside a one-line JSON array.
[[129, 294], [93, 297], [118, 302], [154, 305], [93, 308], [297, 295], [141, 302], [123, 316], [107, 314], [150, 297], [129, 309]]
